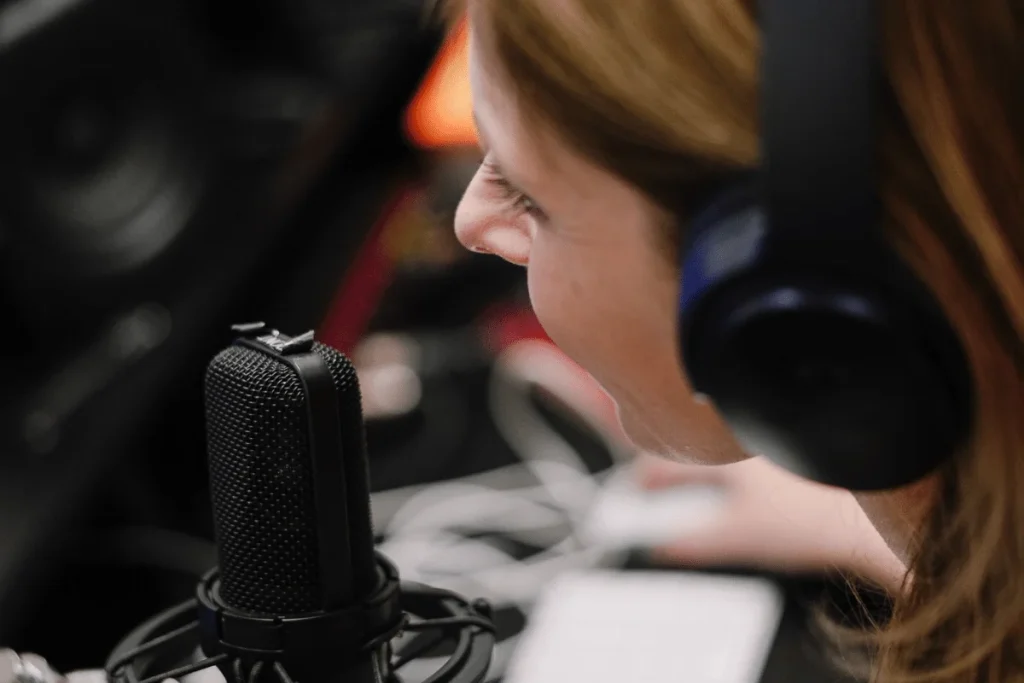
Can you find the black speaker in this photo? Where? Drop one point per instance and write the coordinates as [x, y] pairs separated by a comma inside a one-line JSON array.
[[117, 171]]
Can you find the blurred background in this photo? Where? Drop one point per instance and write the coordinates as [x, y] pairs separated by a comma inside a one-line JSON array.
[[171, 167]]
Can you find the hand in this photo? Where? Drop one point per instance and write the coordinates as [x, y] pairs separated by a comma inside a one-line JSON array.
[[29, 667], [774, 520]]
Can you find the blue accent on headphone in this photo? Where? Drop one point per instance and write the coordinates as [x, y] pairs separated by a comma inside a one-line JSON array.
[[832, 361], [736, 243]]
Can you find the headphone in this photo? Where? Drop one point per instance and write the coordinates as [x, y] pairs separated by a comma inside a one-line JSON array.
[[815, 341]]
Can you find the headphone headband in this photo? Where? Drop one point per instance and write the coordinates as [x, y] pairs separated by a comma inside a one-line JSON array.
[[821, 78]]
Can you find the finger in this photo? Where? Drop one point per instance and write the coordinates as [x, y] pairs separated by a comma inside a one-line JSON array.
[[9, 665], [717, 544], [88, 676], [744, 541], [744, 552], [749, 536], [653, 472], [38, 661]]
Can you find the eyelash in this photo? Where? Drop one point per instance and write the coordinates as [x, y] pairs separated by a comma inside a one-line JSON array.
[[520, 202]]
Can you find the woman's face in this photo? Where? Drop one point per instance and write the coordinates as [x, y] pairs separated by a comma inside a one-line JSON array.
[[600, 282]]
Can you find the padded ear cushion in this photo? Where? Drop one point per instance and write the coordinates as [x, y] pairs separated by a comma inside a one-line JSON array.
[[838, 378]]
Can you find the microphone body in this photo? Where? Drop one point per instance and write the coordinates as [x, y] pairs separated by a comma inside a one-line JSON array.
[[299, 594], [289, 482], [288, 476]]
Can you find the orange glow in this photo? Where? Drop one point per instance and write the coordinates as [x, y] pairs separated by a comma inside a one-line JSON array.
[[441, 113]]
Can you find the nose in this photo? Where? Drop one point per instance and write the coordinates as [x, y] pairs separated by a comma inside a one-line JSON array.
[[482, 226]]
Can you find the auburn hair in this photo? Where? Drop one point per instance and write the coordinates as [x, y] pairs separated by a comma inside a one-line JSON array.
[[664, 94]]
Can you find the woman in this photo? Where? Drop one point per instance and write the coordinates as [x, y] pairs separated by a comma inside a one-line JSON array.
[[592, 115]]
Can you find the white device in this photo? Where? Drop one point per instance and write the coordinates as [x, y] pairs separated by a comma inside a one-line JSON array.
[[604, 626]]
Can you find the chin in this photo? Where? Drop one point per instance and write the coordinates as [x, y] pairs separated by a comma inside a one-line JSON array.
[[640, 433], [692, 433]]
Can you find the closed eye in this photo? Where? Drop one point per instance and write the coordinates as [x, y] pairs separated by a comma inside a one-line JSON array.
[[518, 201]]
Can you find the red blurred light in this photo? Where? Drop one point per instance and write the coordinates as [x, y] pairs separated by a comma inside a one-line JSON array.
[[441, 113]]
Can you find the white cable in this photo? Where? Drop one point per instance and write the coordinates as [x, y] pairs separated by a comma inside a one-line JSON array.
[[529, 435], [431, 508], [428, 536]]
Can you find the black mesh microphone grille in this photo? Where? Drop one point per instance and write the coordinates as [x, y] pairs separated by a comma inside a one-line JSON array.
[[261, 480]]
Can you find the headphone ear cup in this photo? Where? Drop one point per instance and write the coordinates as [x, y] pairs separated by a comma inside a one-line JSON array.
[[839, 382], [845, 398]]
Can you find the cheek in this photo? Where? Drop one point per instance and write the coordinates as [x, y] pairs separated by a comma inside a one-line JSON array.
[[568, 294], [612, 310], [607, 303], [606, 310]]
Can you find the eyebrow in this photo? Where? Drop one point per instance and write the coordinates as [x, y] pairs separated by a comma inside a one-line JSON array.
[[481, 133], [489, 151]]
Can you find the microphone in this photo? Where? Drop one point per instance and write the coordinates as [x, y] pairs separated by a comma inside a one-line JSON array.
[[299, 592]]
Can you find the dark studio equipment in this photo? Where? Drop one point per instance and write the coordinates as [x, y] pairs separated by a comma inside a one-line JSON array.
[[813, 338], [334, 38], [299, 593], [167, 167], [138, 173], [114, 174]]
